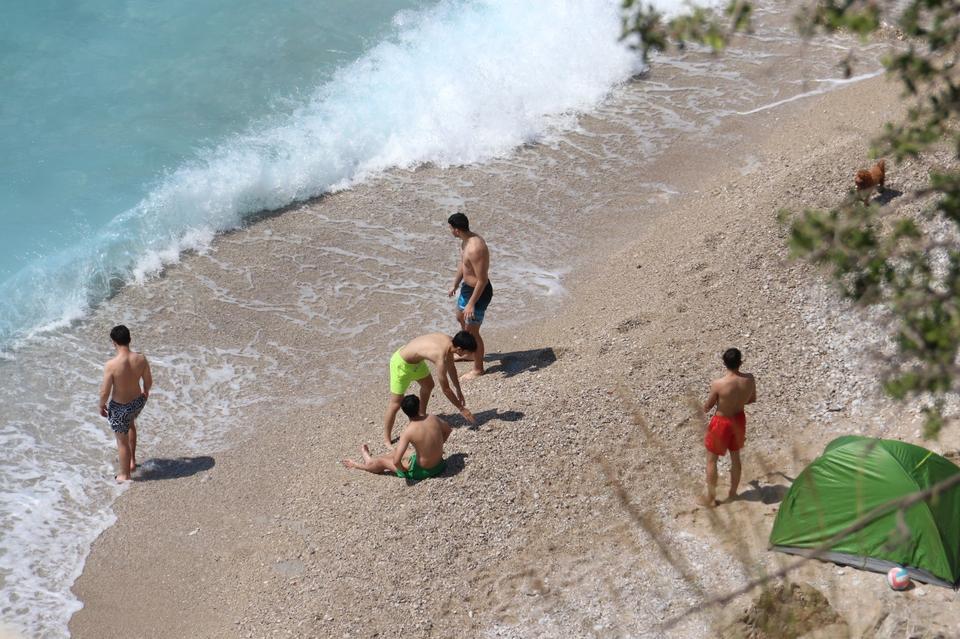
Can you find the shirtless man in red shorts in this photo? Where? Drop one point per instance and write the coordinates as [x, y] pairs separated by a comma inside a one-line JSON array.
[[727, 430]]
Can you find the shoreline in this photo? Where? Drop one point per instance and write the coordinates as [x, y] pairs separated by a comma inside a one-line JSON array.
[[277, 538]]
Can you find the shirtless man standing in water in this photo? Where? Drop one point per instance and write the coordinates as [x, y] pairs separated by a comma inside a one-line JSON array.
[[727, 430], [121, 385], [474, 282]]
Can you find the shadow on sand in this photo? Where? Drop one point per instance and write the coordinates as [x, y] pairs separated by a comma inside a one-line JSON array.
[[154, 469], [769, 494], [511, 364], [457, 421], [455, 464]]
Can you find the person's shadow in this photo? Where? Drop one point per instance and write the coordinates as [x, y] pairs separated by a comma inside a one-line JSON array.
[[455, 464], [154, 469], [516, 362], [457, 421], [769, 494]]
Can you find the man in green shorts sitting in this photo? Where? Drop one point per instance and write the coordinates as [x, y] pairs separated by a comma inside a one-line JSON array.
[[426, 433], [409, 364]]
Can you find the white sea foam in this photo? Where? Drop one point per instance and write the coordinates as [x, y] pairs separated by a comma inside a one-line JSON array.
[[55, 486], [461, 82], [53, 509], [825, 86], [9, 633]]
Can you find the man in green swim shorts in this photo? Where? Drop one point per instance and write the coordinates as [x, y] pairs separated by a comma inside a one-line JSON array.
[[426, 433], [409, 364]]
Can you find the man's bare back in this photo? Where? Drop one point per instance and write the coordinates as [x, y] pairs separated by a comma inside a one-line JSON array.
[[125, 370], [427, 436], [434, 347], [732, 392]]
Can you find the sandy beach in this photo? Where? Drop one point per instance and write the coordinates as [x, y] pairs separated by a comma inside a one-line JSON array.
[[570, 509]]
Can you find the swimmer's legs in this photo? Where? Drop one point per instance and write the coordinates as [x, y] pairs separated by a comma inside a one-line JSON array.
[[735, 469], [426, 388], [123, 449], [375, 465], [132, 436], [393, 407], [477, 371]]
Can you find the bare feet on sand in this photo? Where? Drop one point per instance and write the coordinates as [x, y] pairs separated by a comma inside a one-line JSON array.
[[471, 374], [711, 502], [364, 452], [122, 479], [708, 501]]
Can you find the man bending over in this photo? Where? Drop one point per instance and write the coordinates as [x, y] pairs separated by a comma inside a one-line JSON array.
[[728, 428], [409, 364], [426, 433]]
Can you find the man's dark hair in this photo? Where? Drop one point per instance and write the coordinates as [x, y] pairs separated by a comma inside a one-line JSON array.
[[465, 341], [120, 334], [410, 406], [459, 221], [732, 358]]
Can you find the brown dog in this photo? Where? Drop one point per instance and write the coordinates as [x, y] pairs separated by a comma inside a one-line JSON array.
[[869, 181]]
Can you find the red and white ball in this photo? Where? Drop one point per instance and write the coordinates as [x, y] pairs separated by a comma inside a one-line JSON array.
[[898, 578]]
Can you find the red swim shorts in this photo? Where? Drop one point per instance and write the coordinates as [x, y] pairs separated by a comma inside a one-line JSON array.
[[726, 433]]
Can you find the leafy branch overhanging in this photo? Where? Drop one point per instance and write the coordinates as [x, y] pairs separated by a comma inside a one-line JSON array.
[[906, 259]]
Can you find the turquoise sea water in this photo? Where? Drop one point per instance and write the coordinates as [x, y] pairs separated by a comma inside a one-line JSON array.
[[133, 131], [104, 100]]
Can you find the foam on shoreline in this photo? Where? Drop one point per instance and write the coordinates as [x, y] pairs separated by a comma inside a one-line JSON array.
[[460, 82], [514, 553], [358, 272]]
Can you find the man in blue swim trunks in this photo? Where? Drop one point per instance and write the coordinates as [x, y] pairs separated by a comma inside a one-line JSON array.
[[426, 433], [474, 282], [121, 385]]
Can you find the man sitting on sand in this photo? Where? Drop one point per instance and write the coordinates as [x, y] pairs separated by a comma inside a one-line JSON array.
[[409, 364], [426, 433], [121, 384], [727, 430]]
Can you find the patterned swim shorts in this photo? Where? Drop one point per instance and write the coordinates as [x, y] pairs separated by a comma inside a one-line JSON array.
[[466, 292], [122, 415]]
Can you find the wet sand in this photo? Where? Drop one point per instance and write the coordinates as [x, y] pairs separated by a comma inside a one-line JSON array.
[[570, 510]]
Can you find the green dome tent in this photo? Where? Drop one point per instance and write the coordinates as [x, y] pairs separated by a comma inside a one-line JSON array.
[[855, 475]]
